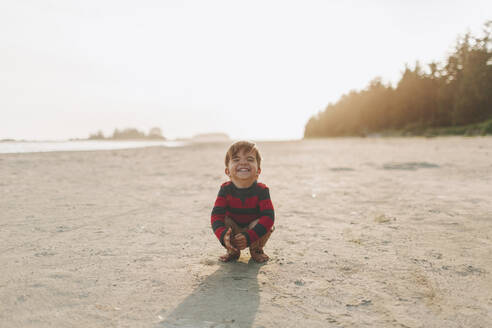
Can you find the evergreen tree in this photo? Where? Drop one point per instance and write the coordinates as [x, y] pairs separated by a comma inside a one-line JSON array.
[[458, 92]]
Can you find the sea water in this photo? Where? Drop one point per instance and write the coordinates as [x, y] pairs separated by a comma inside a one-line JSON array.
[[82, 145]]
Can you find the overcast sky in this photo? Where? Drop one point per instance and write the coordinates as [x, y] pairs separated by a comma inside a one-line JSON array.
[[251, 69]]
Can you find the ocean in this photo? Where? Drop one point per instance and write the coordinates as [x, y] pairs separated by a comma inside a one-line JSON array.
[[9, 147]]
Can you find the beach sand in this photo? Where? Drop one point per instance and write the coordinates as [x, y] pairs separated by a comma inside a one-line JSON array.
[[369, 233]]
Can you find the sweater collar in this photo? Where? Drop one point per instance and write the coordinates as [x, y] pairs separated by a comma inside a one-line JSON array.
[[248, 188]]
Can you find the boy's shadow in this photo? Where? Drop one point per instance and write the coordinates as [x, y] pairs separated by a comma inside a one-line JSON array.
[[228, 298]]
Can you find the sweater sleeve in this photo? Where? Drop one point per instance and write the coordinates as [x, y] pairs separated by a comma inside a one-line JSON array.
[[265, 220], [218, 215]]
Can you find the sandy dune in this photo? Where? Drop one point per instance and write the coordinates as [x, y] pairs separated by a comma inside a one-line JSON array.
[[370, 233]]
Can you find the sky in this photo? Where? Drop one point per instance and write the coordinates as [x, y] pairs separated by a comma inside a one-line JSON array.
[[252, 69]]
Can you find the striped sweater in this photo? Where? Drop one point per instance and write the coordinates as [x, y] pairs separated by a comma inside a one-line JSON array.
[[243, 205]]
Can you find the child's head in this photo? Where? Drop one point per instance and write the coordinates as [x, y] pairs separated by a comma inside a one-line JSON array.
[[246, 147], [242, 163]]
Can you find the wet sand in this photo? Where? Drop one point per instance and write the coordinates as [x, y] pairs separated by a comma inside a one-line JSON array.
[[370, 233]]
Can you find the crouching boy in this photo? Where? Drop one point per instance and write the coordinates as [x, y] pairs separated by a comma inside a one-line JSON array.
[[243, 213]]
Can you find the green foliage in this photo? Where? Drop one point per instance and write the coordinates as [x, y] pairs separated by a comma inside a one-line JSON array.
[[478, 129], [487, 128], [456, 94]]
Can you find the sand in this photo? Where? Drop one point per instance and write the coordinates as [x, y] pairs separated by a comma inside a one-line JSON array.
[[370, 233]]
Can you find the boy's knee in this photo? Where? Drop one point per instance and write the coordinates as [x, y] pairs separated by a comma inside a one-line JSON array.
[[253, 223], [229, 223], [260, 243]]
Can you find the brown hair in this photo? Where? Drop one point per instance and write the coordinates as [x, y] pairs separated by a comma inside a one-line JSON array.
[[240, 145]]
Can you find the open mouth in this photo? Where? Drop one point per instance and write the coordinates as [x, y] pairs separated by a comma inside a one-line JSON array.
[[243, 170]]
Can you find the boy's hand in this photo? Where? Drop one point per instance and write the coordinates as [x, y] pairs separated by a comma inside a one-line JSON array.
[[227, 242], [240, 241]]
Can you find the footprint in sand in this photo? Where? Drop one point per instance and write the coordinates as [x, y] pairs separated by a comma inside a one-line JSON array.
[[464, 270], [361, 303], [341, 169], [185, 323], [382, 218], [409, 166]]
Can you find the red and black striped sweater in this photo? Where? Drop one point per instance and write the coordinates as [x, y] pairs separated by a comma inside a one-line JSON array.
[[243, 205]]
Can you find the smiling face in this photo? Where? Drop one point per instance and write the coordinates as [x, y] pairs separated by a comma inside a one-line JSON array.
[[243, 168]]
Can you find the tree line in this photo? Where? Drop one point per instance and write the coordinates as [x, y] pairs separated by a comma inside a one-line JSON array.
[[454, 97], [129, 134]]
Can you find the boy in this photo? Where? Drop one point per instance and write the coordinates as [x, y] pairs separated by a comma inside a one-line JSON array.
[[243, 213]]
